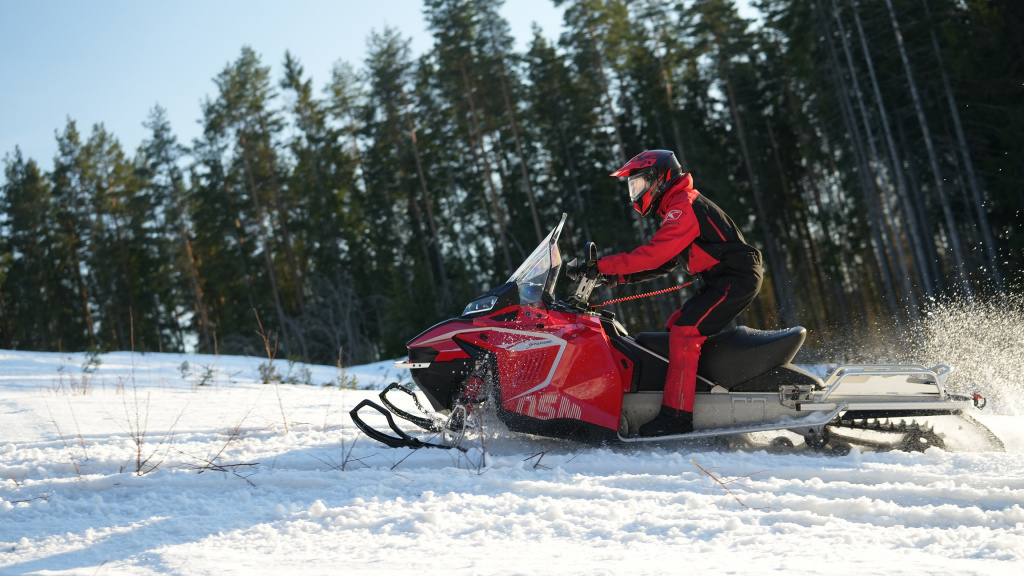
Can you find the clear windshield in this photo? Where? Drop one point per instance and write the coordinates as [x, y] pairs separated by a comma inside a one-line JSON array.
[[536, 276]]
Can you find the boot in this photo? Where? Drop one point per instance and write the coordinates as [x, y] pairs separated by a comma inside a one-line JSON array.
[[668, 421]]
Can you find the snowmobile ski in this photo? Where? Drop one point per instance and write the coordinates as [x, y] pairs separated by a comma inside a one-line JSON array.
[[401, 439]]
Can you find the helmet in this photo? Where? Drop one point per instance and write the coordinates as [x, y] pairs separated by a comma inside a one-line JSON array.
[[649, 173]]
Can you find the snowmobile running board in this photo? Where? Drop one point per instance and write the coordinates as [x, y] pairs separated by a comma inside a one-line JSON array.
[[811, 423]]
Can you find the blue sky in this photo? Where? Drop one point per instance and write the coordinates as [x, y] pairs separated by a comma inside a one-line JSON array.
[[112, 61]]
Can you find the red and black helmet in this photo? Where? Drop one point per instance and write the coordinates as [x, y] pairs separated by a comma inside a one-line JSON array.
[[649, 173]]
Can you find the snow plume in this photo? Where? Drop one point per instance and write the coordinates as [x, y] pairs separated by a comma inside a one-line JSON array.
[[984, 342], [981, 339]]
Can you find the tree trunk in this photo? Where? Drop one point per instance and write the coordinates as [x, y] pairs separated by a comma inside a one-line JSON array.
[[614, 120], [667, 80], [880, 260], [607, 95], [834, 287], [264, 238], [978, 195], [83, 291], [476, 139], [887, 230], [435, 237], [912, 228], [920, 205], [286, 237], [809, 250], [844, 265], [5, 325], [205, 344], [947, 211], [781, 281], [240, 241], [519, 146]]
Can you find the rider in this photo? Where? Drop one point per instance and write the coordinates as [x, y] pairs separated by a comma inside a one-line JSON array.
[[696, 233]]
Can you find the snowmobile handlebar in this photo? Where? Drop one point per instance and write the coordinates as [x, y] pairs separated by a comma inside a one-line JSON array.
[[586, 276]]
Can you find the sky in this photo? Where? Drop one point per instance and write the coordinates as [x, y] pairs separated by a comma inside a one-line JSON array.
[[111, 61]]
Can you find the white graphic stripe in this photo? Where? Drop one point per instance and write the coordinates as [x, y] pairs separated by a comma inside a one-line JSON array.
[[551, 341]]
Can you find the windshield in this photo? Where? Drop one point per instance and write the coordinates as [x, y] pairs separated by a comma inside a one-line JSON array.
[[536, 276]]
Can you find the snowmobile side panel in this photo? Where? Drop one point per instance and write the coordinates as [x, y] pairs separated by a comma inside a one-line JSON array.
[[568, 428], [585, 381], [547, 370]]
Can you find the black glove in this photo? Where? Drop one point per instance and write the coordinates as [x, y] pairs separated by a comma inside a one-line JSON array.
[[573, 270], [588, 269], [610, 280]]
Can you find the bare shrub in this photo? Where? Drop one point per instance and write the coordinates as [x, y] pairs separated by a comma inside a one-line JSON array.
[[267, 371]]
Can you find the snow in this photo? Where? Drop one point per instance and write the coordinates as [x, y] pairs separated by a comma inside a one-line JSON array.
[[242, 477]]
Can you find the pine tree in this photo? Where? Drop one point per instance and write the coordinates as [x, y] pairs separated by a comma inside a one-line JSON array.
[[34, 303], [177, 259], [242, 118], [72, 213], [322, 180]]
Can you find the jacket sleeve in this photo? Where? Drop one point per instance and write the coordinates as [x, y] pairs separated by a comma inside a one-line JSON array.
[[648, 274], [674, 236]]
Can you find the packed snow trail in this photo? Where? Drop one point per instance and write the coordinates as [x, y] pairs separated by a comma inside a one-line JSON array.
[[226, 490]]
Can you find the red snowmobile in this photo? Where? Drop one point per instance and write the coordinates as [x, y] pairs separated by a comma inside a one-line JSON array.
[[566, 369]]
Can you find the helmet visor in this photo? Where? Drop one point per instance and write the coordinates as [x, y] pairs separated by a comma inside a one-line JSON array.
[[638, 184]]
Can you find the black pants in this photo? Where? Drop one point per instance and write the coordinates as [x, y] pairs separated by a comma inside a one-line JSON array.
[[719, 301]]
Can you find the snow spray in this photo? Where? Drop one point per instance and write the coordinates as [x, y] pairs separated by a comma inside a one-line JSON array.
[[984, 343]]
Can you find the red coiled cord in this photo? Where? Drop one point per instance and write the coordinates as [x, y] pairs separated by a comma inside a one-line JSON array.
[[617, 300]]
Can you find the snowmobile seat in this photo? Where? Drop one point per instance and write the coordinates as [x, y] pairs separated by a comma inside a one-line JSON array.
[[738, 354]]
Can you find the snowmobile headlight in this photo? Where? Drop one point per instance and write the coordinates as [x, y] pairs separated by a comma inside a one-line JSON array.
[[481, 305]]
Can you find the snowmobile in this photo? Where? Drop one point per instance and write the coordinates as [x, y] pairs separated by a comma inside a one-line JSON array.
[[564, 368]]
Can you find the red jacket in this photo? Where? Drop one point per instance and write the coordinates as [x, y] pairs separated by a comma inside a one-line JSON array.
[[694, 232]]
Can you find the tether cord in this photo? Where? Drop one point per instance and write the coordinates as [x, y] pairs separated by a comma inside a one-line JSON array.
[[644, 295]]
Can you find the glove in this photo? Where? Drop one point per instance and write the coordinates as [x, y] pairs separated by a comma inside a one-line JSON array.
[[610, 280], [588, 269]]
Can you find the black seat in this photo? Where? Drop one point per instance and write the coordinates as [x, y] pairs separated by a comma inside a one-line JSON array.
[[736, 355]]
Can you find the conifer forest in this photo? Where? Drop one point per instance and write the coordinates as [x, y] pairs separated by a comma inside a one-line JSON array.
[[873, 150]]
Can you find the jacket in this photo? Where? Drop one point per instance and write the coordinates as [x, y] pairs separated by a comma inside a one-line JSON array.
[[695, 233]]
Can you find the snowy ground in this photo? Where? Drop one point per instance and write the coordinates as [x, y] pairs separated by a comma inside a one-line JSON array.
[[245, 478]]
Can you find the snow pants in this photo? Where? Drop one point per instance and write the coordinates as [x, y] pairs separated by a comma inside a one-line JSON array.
[[715, 304]]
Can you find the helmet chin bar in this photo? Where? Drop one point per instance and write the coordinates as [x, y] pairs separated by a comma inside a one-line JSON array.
[[643, 204]]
